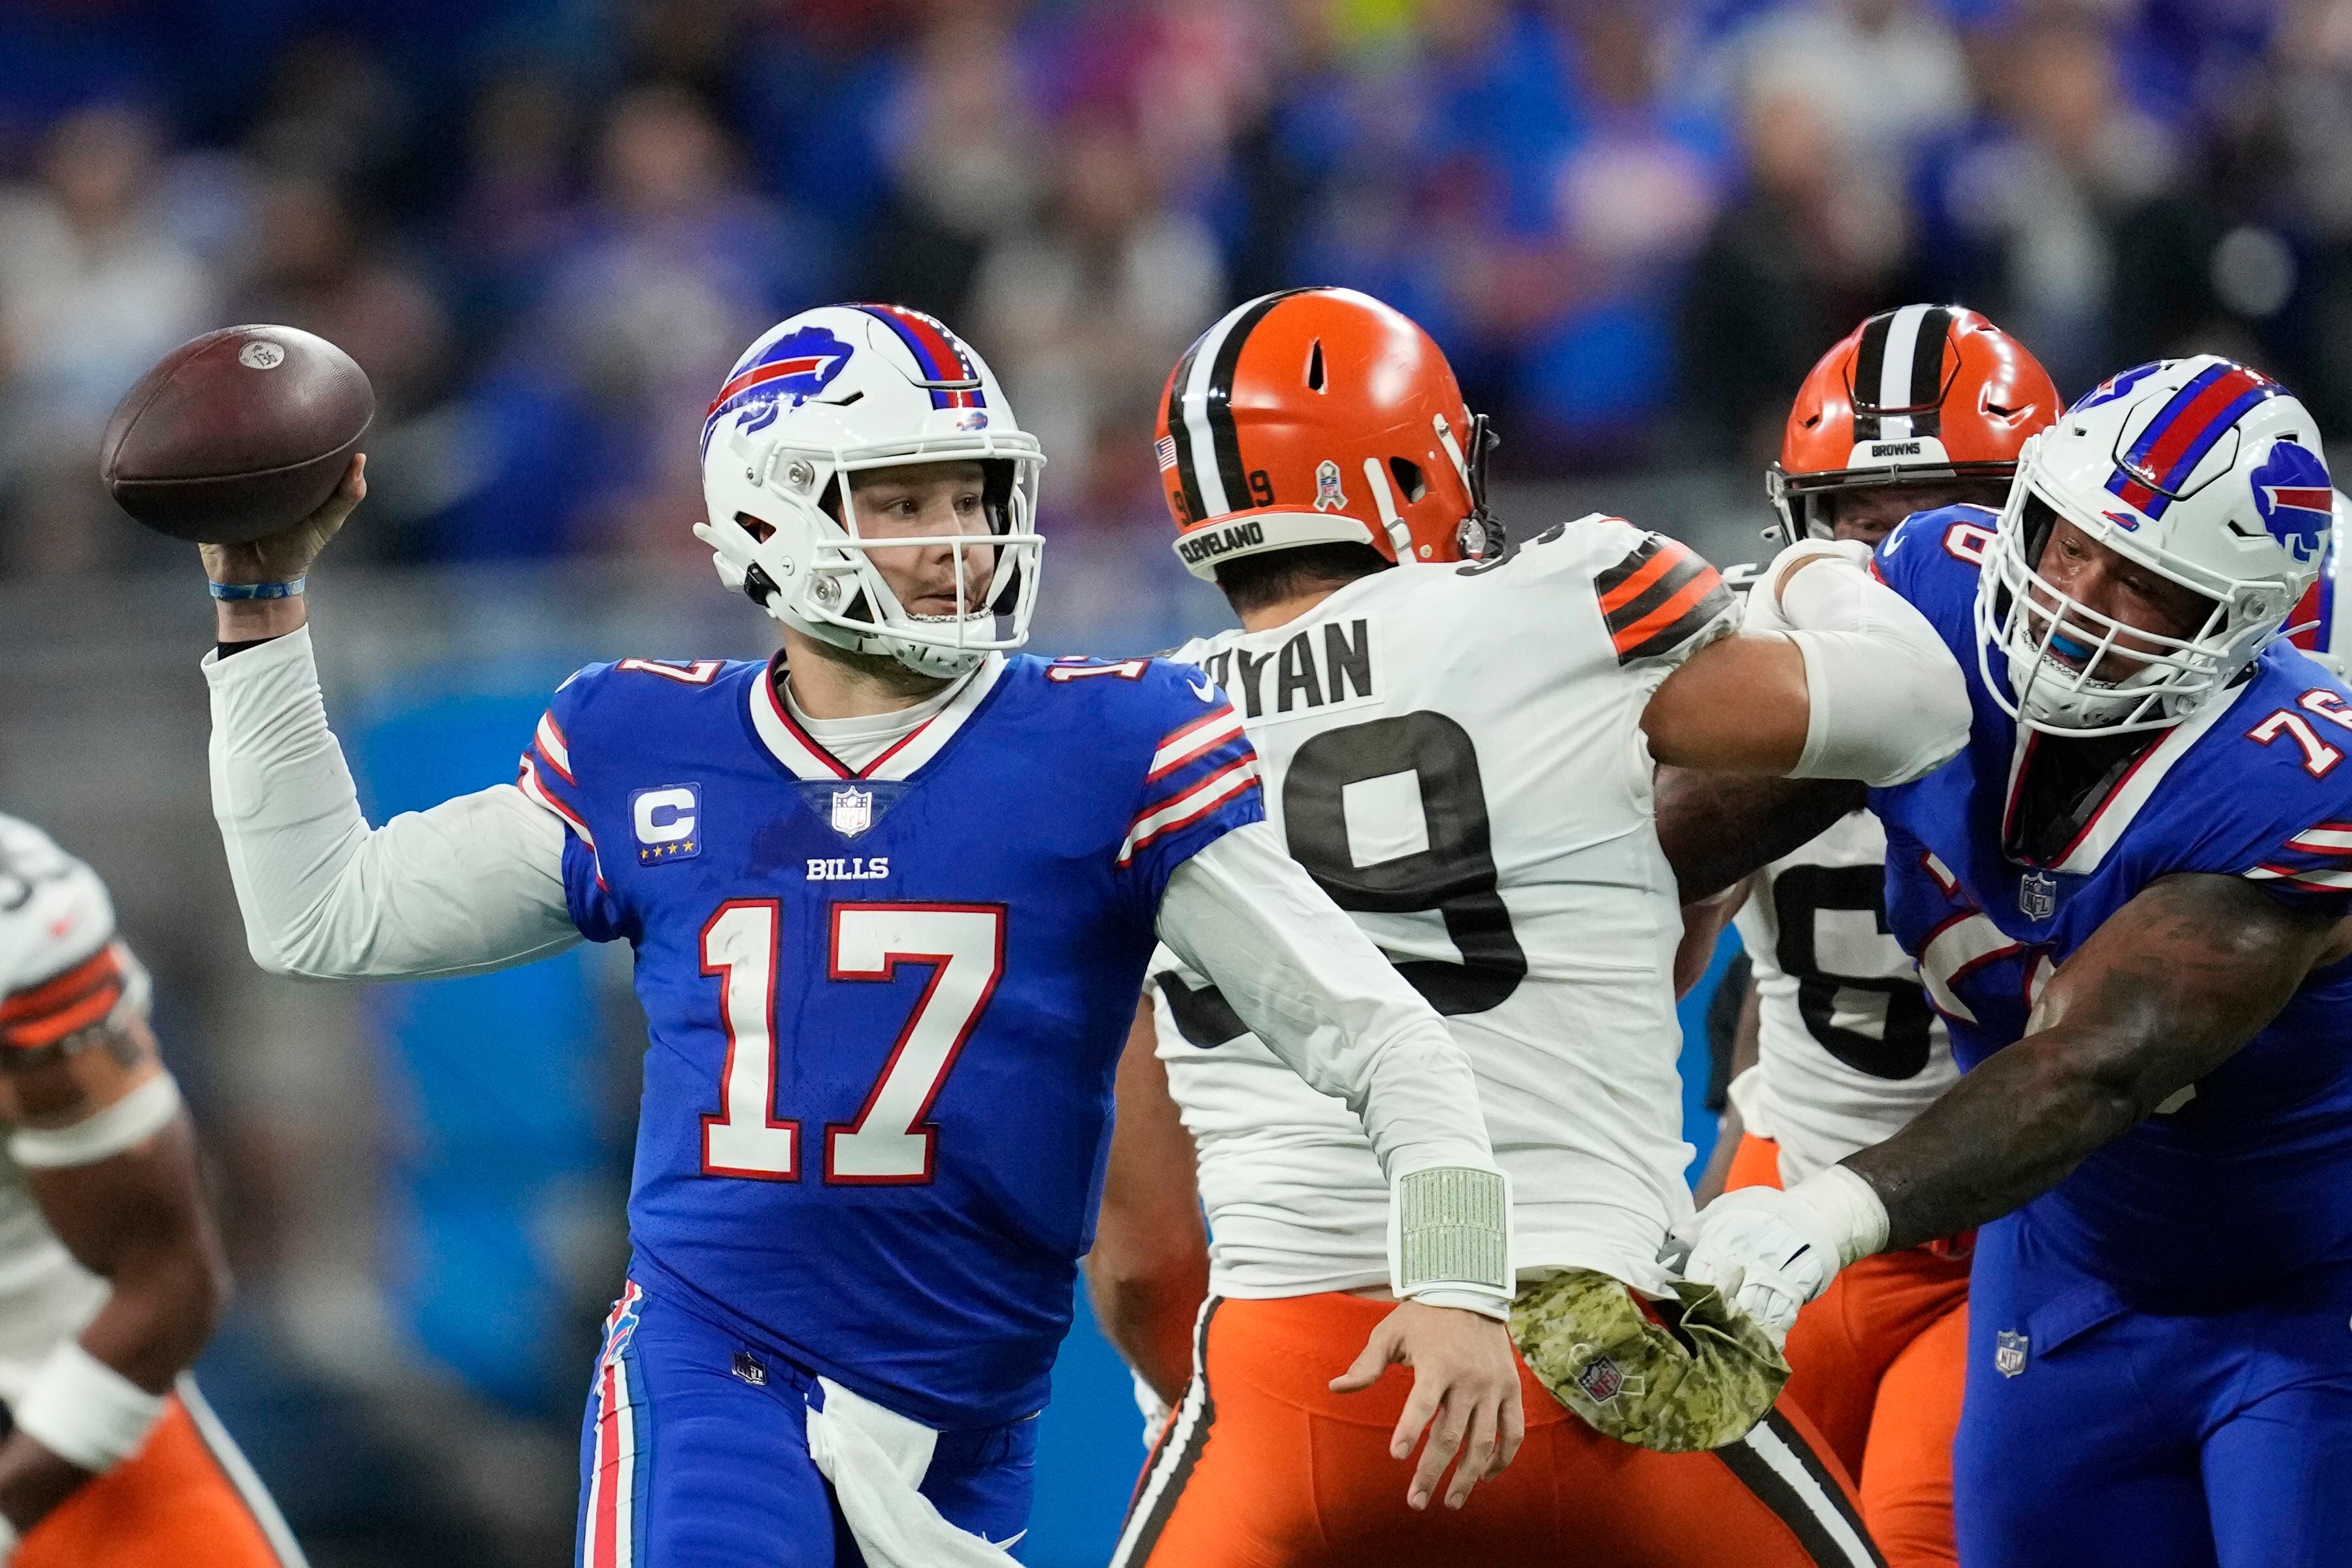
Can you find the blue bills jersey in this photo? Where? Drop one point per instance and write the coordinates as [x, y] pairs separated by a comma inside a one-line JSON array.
[[2247, 1175], [885, 1005]]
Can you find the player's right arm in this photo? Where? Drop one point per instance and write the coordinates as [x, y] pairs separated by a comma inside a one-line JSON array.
[[1832, 675], [97, 1128], [1309, 983], [476, 882]]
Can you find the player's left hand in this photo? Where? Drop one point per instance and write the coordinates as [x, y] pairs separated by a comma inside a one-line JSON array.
[[1465, 1383]]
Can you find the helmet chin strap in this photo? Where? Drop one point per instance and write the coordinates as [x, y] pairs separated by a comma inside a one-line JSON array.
[[1480, 534]]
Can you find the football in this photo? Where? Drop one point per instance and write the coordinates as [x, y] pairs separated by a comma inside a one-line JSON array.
[[237, 435]]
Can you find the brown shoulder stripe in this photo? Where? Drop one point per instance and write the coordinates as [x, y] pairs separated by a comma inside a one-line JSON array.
[[1660, 595]]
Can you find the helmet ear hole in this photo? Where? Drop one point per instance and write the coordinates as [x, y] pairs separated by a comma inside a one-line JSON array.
[[760, 532], [1409, 481], [997, 480], [2037, 520]]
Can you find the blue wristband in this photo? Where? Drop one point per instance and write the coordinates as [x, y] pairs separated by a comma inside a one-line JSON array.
[[286, 589]]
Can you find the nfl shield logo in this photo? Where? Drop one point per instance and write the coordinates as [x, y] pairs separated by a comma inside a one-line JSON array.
[[2009, 1350], [852, 811], [1600, 1379], [2037, 895], [1328, 496]]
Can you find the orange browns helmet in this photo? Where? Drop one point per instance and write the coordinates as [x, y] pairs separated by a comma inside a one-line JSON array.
[[1922, 395], [1321, 416]]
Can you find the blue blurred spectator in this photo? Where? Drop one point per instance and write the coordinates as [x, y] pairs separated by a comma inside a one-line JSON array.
[[595, 412], [1632, 198], [965, 152], [2022, 210]]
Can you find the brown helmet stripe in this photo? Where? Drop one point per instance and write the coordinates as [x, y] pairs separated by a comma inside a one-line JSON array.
[[1927, 371], [1869, 371], [1200, 414], [1223, 435]]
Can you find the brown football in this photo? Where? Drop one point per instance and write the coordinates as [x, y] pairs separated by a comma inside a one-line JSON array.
[[237, 435]]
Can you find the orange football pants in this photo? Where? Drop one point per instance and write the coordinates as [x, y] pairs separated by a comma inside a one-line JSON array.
[[1877, 1364], [1263, 1467], [172, 1504]]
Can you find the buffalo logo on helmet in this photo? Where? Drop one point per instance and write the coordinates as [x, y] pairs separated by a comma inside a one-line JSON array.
[[2297, 503], [2117, 385], [1328, 496], [784, 375]]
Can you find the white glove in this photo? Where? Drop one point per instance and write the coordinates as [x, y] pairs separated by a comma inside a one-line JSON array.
[[1154, 1408], [1770, 1251]]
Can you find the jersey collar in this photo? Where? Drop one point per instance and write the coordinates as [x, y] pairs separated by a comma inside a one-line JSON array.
[[2113, 816], [802, 758]]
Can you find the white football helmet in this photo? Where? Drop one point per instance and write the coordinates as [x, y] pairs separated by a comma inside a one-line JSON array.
[[2322, 623], [830, 392], [2202, 471]]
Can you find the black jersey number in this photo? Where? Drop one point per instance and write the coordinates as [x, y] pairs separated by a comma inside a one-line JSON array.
[[1900, 1047], [1454, 873]]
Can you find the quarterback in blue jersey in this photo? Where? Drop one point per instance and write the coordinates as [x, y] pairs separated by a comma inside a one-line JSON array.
[[891, 895], [2128, 897]]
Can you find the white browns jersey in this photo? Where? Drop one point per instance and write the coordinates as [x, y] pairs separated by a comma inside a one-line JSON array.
[[1849, 1049], [57, 925], [1455, 754]]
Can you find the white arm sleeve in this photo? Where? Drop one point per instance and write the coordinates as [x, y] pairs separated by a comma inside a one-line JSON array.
[[1887, 701], [473, 884], [1312, 987]]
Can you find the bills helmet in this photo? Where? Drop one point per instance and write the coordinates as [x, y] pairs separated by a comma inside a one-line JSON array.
[[1321, 416], [829, 393], [1927, 394], [2322, 622], [2202, 471]]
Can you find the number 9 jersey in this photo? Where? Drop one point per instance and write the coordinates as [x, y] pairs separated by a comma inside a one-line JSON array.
[[1454, 753]]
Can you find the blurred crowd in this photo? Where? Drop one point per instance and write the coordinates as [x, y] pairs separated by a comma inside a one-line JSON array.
[[545, 226]]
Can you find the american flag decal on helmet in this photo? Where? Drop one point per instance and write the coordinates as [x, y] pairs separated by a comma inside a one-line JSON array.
[[1659, 598]]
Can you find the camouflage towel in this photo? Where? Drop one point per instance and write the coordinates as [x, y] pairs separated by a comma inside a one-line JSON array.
[[1698, 1385]]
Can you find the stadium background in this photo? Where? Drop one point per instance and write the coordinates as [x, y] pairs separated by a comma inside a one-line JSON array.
[[545, 227]]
